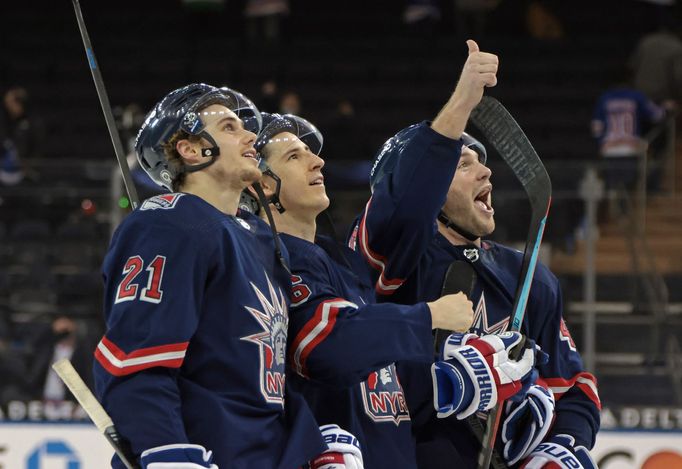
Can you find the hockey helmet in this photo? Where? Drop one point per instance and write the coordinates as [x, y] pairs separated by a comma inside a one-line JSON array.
[[274, 124], [387, 157], [180, 110]]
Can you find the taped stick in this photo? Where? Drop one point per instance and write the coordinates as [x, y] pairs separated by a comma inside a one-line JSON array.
[[94, 409]]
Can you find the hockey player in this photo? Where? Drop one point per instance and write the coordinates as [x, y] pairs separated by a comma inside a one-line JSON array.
[[419, 219], [192, 367], [344, 345]]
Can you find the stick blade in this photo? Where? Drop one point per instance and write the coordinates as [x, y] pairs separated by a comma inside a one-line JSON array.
[[507, 138]]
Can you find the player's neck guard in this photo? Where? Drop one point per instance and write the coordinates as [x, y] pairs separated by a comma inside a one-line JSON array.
[[456, 228]]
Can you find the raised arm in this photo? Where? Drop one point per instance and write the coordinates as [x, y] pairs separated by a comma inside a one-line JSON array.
[[411, 176]]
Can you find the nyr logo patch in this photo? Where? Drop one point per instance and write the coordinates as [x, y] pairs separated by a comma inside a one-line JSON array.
[[383, 398], [162, 201], [271, 341]]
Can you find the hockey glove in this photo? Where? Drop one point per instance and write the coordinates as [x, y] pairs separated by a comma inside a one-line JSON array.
[[343, 453], [180, 456], [559, 453], [527, 423], [476, 372]]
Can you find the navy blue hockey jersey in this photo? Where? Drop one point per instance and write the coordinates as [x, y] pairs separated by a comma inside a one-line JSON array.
[[344, 347], [397, 233], [196, 308], [621, 118]]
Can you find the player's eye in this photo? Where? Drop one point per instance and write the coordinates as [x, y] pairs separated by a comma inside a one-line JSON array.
[[293, 156]]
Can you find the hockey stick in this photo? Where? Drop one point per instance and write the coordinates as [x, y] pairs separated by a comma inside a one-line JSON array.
[[507, 138], [461, 276], [106, 109], [95, 411]]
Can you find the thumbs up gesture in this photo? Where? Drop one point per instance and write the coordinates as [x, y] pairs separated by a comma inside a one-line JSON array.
[[479, 72]]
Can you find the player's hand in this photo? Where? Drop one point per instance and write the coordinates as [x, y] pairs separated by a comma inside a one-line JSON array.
[[179, 456], [479, 72], [559, 452], [343, 453], [527, 423], [477, 372], [452, 312]]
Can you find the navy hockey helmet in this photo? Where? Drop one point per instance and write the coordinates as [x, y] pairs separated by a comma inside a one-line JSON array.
[[180, 110], [387, 157], [274, 124]]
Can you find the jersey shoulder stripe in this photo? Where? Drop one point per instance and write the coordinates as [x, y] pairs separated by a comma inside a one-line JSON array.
[[584, 381], [119, 363], [315, 331], [384, 285]]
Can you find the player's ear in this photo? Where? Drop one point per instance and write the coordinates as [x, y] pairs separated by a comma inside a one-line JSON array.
[[188, 151], [269, 186]]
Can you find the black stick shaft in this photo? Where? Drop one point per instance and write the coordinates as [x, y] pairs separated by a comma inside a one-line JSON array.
[[507, 137], [106, 108], [121, 447]]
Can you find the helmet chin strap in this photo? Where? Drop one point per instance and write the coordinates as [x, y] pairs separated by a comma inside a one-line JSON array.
[[275, 235], [456, 228]]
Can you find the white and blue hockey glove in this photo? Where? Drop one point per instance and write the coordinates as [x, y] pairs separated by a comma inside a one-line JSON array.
[[343, 453], [179, 456], [527, 423], [476, 372], [559, 452]]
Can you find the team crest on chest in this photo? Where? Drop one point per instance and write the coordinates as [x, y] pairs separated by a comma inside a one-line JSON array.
[[162, 201], [272, 341], [481, 326], [383, 398]]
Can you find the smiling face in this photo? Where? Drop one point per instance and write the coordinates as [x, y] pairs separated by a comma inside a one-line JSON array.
[[302, 192], [236, 166], [469, 199]]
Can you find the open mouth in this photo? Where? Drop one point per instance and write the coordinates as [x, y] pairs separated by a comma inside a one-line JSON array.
[[318, 181], [250, 154], [484, 200]]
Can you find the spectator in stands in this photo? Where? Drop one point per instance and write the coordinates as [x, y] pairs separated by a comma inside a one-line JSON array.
[[622, 116], [657, 65], [21, 136], [290, 103], [61, 338]]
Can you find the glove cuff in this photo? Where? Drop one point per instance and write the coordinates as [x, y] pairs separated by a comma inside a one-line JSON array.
[[177, 456], [448, 385]]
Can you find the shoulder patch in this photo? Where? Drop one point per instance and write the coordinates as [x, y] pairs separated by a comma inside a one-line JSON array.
[[161, 201]]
